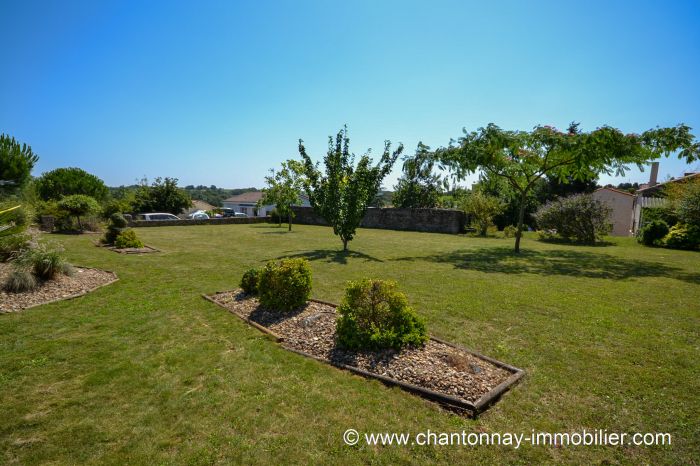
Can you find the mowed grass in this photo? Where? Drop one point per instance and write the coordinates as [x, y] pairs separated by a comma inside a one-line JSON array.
[[145, 371]]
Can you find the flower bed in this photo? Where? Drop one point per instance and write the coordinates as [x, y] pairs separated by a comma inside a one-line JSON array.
[[439, 370], [63, 287]]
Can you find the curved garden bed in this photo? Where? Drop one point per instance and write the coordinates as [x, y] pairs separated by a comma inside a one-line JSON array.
[[439, 370]]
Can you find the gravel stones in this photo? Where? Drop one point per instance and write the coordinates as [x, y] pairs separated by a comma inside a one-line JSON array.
[[435, 366]]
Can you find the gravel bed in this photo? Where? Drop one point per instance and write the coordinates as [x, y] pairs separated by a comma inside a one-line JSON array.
[[82, 281], [435, 366]]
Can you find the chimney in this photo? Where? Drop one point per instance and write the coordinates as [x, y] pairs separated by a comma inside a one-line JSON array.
[[654, 174]]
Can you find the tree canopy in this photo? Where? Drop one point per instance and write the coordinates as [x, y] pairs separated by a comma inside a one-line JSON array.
[[524, 157], [283, 189], [16, 164], [342, 195], [78, 205], [162, 195], [418, 187], [55, 184]]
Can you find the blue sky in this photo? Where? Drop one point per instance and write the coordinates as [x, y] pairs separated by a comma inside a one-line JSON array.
[[219, 92]]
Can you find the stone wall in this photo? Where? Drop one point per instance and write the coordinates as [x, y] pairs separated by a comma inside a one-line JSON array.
[[210, 221], [428, 220]]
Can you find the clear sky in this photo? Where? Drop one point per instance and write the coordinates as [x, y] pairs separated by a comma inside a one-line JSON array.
[[219, 92]]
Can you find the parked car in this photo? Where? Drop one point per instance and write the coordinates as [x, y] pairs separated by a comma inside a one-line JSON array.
[[198, 215], [157, 216], [227, 212], [240, 214]]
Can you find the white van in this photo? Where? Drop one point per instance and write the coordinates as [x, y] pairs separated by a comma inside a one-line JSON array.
[[156, 216]]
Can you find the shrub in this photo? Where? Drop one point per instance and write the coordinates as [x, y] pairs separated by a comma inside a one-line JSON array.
[[286, 285], [509, 231], [375, 315], [13, 245], [580, 217], [668, 215], [127, 239], [682, 237], [45, 262], [19, 281], [250, 280], [482, 208], [653, 232], [116, 225]]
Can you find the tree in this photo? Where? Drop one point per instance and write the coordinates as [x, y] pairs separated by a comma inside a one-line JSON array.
[[418, 187], [283, 189], [162, 195], [341, 196], [16, 164], [78, 205], [61, 182], [482, 209], [523, 158]]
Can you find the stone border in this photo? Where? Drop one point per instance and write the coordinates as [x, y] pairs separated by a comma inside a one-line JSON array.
[[446, 400], [73, 296], [136, 251]]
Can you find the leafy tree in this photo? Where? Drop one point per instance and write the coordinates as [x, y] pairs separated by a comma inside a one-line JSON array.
[[418, 187], [162, 195], [523, 158], [482, 209], [78, 205], [684, 199], [342, 195], [16, 164], [61, 182], [283, 189]]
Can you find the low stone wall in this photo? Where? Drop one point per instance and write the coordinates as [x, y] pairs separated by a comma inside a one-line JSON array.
[[210, 221], [427, 220]]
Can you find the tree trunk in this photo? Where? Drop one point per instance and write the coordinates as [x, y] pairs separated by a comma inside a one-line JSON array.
[[521, 217], [80, 225], [290, 220], [345, 244]]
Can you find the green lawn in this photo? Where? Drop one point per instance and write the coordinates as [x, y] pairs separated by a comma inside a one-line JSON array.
[[147, 372]]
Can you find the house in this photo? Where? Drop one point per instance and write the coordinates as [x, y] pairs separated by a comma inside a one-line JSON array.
[[197, 205], [247, 203], [627, 209], [622, 205], [651, 194]]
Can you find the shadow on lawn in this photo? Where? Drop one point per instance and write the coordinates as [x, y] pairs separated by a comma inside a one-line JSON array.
[[332, 255], [555, 262]]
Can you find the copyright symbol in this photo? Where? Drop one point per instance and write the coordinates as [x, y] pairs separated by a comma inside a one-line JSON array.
[[351, 437]]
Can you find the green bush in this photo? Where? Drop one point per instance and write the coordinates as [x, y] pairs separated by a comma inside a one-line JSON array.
[[250, 280], [19, 281], [682, 237], [649, 214], [127, 239], [116, 225], [653, 232], [78, 205], [286, 285], [580, 217], [375, 315], [13, 245], [509, 231], [45, 262]]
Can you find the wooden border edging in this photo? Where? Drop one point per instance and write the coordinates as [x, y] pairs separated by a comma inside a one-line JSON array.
[[476, 408]]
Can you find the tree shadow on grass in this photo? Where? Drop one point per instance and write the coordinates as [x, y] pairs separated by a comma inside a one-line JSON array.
[[555, 262], [332, 255]]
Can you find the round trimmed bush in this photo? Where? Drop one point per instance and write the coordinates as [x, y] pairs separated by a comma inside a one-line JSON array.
[[127, 239], [286, 285], [249, 282], [510, 231], [375, 315], [653, 232]]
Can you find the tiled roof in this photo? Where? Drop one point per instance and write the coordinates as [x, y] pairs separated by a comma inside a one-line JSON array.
[[251, 197]]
